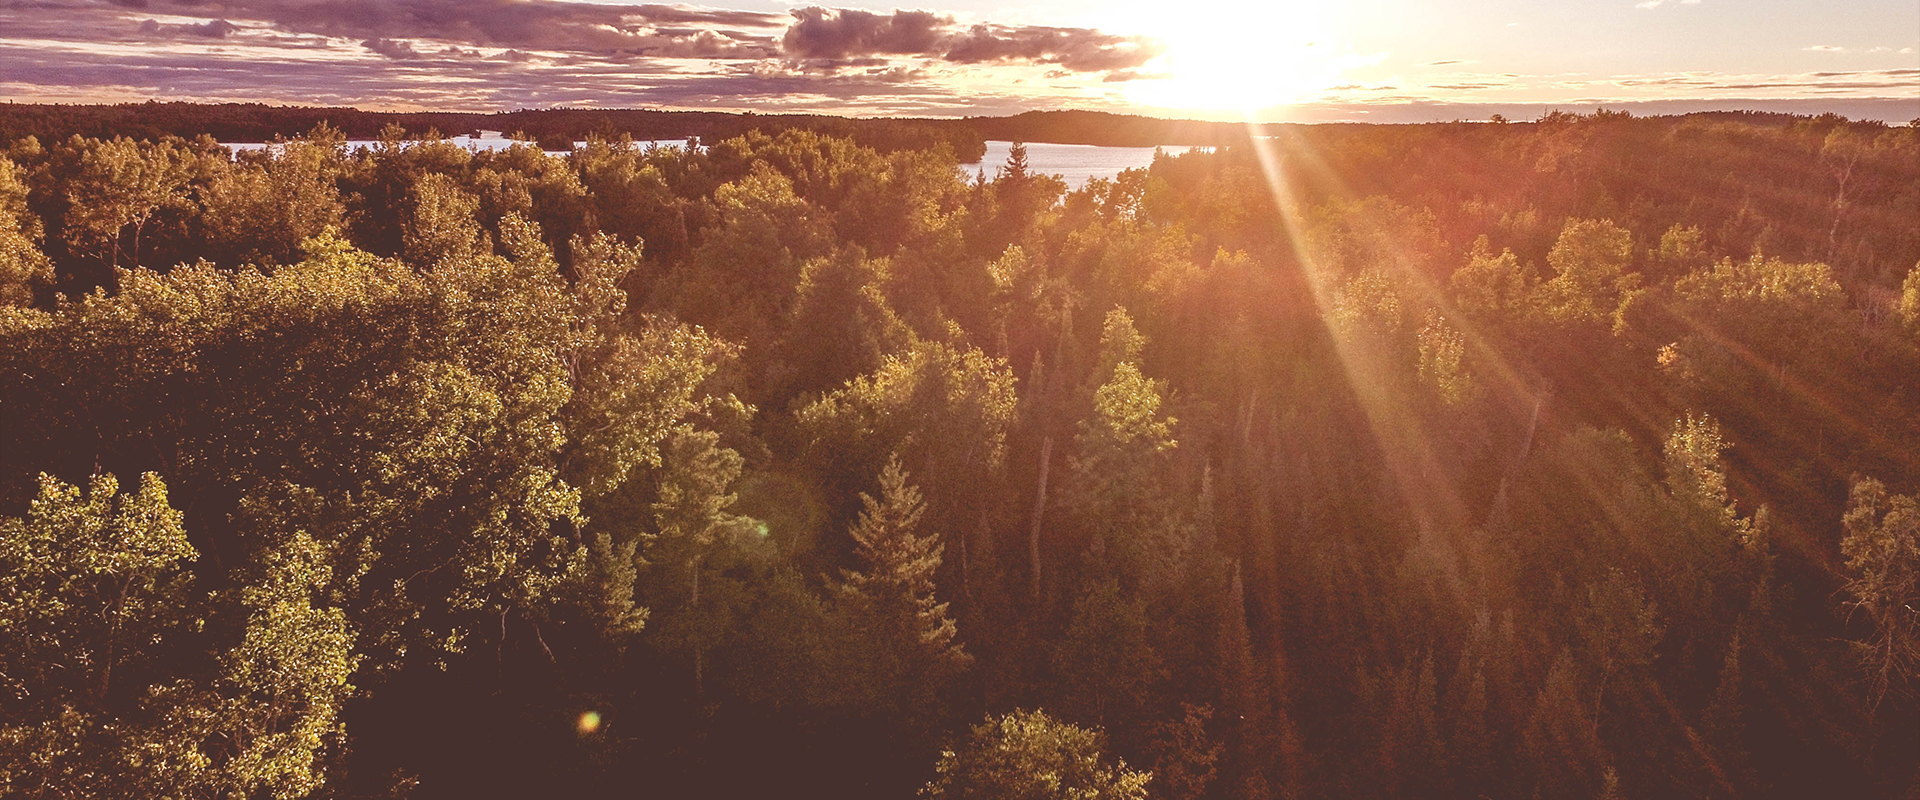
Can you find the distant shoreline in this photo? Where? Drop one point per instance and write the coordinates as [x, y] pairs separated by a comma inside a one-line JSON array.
[[260, 123]]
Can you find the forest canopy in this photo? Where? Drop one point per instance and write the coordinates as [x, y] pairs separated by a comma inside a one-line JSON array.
[[1568, 458]]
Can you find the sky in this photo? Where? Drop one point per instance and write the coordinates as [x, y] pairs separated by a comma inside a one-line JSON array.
[[1281, 60]]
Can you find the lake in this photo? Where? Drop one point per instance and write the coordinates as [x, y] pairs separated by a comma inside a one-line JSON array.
[[1074, 163]]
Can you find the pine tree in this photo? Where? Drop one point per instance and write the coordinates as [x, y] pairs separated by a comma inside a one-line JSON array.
[[1016, 166], [905, 642]]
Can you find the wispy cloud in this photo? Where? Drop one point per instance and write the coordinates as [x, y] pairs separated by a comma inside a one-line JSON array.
[[1824, 48]]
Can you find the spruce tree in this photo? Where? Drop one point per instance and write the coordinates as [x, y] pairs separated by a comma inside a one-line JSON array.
[[906, 643]]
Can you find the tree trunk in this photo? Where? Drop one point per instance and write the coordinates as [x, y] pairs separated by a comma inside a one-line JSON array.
[[1039, 514], [693, 603]]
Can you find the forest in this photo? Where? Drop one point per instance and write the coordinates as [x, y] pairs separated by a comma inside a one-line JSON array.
[[1572, 458], [558, 129]]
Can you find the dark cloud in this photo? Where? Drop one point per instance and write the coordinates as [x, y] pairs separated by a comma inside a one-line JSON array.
[[216, 29], [518, 24], [821, 40], [562, 25], [398, 51], [839, 34], [823, 33], [436, 80]]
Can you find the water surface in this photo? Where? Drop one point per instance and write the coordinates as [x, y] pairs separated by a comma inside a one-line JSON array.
[[1074, 163]]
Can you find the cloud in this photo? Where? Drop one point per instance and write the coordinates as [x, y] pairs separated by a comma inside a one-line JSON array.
[[549, 24], [1078, 49], [554, 25], [835, 34], [825, 39], [822, 33], [215, 29], [1417, 109], [398, 51], [498, 54], [1824, 48]]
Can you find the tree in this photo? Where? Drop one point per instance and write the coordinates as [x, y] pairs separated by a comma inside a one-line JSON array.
[[1185, 756], [1493, 287], [1681, 250], [1019, 196], [90, 582], [1027, 755], [1590, 263], [909, 648], [629, 198], [1117, 482], [692, 498], [524, 181], [740, 281], [1882, 546], [262, 205], [1015, 169], [1909, 303], [841, 326], [120, 188], [23, 267], [943, 409], [1105, 662], [281, 690], [438, 427], [98, 618], [440, 222], [1561, 738]]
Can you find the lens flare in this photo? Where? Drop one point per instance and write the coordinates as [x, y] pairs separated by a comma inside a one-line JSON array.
[[588, 723]]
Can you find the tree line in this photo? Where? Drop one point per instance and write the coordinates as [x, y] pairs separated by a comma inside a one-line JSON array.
[[1572, 458]]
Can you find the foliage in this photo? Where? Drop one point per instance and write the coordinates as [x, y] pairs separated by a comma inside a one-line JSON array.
[[1027, 755], [1882, 547], [907, 649], [96, 585], [22, 266], [1469, 460]]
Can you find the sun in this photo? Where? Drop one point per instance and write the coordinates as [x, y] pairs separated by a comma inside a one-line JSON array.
[[1232, 55]]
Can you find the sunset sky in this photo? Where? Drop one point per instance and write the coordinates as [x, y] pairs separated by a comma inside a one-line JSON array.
[[1362, 60]]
